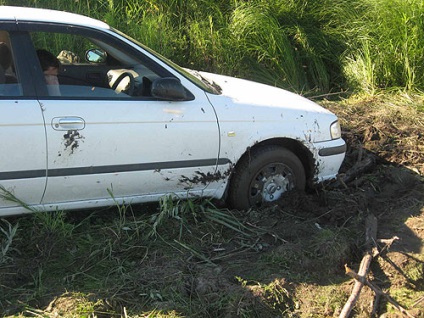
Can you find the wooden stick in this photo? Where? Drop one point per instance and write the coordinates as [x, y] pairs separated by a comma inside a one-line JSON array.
[[375, 306], [370, 239], [387, 243], [350, 272], [418, 301]]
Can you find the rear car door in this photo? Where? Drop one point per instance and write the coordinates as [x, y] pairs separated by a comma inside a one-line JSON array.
[[104, 141], [22, 134]]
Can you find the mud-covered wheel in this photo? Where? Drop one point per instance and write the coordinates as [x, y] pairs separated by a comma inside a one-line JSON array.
[[263, 176]]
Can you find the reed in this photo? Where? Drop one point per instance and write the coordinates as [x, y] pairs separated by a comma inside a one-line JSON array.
[[306, 46]]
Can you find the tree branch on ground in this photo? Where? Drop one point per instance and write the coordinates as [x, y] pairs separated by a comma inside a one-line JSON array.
[[361, 277]]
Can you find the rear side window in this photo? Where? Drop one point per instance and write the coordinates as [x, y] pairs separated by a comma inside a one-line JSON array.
[[9, 81]]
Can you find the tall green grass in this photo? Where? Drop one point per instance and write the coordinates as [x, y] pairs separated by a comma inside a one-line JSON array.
[[304, 45], [388, 49]]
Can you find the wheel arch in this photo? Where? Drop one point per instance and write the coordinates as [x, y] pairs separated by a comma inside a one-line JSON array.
[[295, 146]]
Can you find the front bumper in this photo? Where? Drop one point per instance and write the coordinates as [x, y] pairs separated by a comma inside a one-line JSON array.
[[329, 156]]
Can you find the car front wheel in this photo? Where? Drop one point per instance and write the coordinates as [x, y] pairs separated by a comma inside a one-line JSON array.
[[263, 175]]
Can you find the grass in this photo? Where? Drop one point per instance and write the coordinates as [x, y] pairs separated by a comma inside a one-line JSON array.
[[8, 234], [312, 47], [388, 53], [165, 260]]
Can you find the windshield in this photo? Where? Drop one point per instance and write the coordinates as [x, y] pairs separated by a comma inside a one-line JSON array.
[[193, 76]]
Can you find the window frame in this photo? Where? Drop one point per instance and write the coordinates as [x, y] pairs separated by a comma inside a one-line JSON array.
[[26, 27], [23, 69]]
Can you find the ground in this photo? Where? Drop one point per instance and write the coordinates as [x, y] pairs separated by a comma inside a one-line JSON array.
[[191, 259]]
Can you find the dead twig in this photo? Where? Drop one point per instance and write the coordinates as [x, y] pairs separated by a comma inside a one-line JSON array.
[[370, 239], [387, 242], [350, 272], [375, 305], [361, 276], [418, 301]]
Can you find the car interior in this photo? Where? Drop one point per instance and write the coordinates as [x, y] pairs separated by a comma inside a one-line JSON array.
[[91, 68], [8, 78]]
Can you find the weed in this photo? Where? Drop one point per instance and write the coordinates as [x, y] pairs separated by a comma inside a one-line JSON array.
[[53, 223], [123, 226], [9, 196], [38, 283], [9, 233], [170, 207], [332, 245]]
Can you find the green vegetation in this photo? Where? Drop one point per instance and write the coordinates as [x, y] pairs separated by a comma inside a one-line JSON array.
[[174, 259], [312, 47], [8, 234]]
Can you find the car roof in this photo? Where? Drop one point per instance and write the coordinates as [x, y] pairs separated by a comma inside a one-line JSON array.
[[12, 13]]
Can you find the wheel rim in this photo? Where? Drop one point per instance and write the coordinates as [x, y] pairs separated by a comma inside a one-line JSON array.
[[270, 183]]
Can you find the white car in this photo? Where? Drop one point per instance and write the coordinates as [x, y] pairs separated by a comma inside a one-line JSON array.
[[122, 119]]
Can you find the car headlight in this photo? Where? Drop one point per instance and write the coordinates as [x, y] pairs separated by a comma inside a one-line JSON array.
[[335, 130]]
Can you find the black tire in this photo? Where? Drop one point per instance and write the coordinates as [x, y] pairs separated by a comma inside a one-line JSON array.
[[262, 176]]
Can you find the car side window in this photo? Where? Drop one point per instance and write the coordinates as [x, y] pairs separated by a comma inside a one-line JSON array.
[[9, 81], [76, 66]]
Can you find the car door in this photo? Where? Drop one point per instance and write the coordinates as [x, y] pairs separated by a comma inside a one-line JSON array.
[[22, 133], [103, 143]]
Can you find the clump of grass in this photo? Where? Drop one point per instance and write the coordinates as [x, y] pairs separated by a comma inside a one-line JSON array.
[[9, 232], [388, 49], [192, 211], [171, 207], [54, 223], [276, 298], [259, 34]]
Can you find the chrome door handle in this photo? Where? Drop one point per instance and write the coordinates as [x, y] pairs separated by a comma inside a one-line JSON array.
[[68, 123]]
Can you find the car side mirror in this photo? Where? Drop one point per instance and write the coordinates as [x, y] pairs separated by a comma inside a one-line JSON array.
[[97, 56], [168, 88]]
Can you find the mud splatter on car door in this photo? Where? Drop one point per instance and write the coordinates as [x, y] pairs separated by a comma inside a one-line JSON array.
[[72, 140]]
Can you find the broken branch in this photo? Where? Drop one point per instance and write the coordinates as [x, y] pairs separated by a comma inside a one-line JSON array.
[[361, 276], [370, 239], [388, 242], [350, 272]]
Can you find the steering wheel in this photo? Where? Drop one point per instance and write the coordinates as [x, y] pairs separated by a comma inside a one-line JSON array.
[[131, 85]]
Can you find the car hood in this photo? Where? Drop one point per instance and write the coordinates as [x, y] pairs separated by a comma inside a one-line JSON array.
[[268, 110], [246, 92]]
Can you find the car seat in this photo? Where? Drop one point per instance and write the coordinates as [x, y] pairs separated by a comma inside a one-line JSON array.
[[5, 56]]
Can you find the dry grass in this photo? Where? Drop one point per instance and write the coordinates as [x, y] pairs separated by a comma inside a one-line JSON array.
[[389, 125]]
